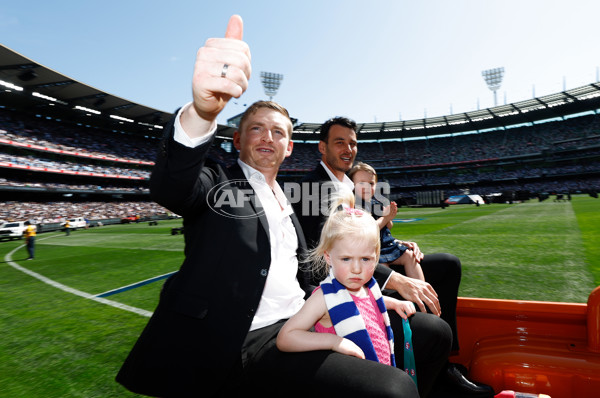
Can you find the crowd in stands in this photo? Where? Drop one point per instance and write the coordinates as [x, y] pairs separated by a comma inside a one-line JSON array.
[[474, 175], [33, 161], [576, 133], [55, 134], [73, 187], [443, 158], [53, 212], [557, 135]]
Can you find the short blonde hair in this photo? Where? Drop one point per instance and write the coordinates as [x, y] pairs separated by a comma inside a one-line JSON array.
[[343, 221], [360, 166]]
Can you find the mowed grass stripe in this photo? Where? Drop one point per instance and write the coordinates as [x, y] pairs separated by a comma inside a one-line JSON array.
[[588, 219], [121, 240], [530, 251]]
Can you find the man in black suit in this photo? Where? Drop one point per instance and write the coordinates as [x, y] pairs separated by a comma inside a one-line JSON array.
[[338, 146], [213, 332]]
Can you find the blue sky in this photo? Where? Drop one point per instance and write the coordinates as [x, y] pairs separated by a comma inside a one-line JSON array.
[[369, 60]]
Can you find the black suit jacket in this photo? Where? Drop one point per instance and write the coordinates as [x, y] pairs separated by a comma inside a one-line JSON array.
[[192, 343], [312, 222]]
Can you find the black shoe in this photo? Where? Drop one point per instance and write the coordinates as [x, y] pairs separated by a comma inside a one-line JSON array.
[[456, 382]]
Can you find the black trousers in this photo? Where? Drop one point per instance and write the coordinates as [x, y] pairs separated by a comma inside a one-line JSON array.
[[443, 272], [31, 246], [269, 371]]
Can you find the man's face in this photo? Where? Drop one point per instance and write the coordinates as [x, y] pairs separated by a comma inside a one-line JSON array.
[[340, 149], [265, 140], [364, 184]]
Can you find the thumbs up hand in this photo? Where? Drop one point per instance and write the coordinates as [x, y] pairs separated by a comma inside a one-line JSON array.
[[221, 71]]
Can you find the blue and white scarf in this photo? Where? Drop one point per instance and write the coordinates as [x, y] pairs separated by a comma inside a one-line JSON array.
[[348, 322], [346, 318]]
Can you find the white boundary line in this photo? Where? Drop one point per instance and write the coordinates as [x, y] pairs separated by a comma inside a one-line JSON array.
[[68, 289]]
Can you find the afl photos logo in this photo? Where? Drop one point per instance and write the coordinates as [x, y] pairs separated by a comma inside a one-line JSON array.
[[232, 198]]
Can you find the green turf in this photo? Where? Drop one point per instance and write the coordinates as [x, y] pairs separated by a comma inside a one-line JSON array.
[[530, 251], [56, 344]]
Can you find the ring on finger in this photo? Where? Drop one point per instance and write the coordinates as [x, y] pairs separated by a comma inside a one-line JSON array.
[[224, 70]]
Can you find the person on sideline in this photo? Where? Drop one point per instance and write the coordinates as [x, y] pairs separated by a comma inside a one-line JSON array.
[[348, 311], [214, 330], [438, 292], [29, 233], [67, 228]]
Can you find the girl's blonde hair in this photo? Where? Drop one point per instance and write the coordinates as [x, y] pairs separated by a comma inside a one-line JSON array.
[[343, 221]]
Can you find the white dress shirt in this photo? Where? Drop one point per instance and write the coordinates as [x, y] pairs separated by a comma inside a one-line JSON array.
[[282, 296]]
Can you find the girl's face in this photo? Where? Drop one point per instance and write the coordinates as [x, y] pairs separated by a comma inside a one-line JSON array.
[[364, 184], [353, 261]]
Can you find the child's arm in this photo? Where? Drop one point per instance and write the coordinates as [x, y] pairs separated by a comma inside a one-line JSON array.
[[403, 308], [389, 214], [295, 336]]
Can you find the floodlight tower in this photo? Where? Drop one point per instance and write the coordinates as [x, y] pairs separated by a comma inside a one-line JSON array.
[[493, 78], [271, 82]]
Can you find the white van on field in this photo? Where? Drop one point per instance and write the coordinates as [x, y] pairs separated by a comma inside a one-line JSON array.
[[75, 223], [12, 230]]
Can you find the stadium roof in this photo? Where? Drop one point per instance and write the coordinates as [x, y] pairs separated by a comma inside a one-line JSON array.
[[574, 101], [58, 95]]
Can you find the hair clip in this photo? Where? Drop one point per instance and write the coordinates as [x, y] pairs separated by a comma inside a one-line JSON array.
[[350, 210]]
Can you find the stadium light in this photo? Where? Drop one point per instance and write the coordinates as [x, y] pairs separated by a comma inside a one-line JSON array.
[[271, 83], [48, 98], [121, 118], [83, 108], [493, 78], [156, 126], [10, 86]]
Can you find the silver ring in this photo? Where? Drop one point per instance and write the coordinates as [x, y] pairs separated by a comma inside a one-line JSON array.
[[224, 71]]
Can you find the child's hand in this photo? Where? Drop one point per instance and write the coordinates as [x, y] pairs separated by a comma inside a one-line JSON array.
[[403, 308], [415, 248], [393, 208], [390, 211], [348, 347]]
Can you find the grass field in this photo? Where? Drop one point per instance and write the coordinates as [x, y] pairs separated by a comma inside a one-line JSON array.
[[59, 341]]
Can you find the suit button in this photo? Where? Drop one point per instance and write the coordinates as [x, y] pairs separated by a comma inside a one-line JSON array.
[[264, 272]]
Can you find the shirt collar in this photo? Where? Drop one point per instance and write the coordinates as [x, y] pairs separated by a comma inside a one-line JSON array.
[[346, 180], [255, 176], [250, 172]]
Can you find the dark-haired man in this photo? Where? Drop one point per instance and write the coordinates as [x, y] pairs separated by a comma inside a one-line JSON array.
[[338, 146]]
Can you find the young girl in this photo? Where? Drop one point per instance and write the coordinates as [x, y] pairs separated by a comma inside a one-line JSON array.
[[393, 251], [348, 311]]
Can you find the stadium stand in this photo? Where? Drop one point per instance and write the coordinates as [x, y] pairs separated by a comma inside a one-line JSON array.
[[87, 153]]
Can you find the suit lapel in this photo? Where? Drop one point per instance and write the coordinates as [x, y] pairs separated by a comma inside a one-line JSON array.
[[323, 176]]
